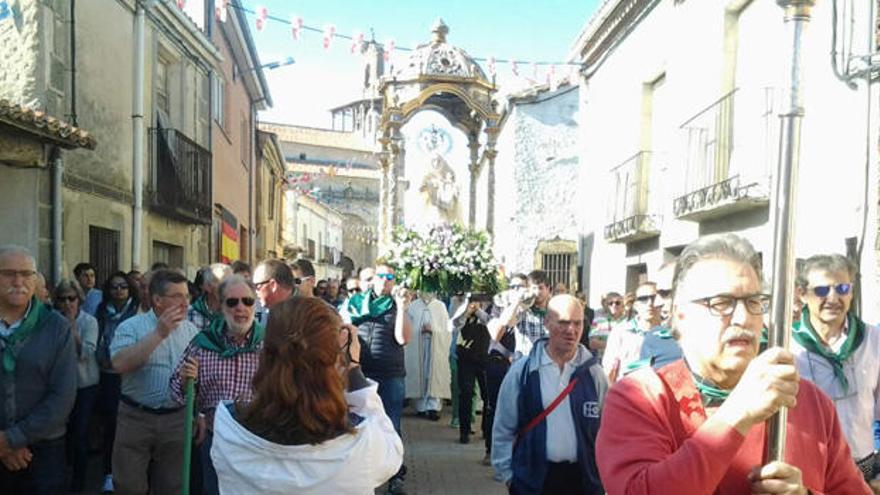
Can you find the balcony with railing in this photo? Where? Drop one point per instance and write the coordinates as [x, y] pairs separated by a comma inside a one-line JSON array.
[[630, 218], [180, 177], [729, 150]]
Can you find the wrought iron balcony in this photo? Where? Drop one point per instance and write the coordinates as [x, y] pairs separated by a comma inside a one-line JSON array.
[[628, 217], [728, 196], [180, 179], [729, 149], [634, 228]]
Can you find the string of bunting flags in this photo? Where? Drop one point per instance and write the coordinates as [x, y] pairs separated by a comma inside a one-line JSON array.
[[357, 39]]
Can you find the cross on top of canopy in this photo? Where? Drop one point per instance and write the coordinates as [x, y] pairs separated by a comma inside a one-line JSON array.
[[441, 77]]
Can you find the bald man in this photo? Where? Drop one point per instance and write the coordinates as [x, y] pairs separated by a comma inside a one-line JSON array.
[[548, 411]]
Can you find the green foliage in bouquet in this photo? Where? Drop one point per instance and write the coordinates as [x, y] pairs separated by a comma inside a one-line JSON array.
[[446, 260]]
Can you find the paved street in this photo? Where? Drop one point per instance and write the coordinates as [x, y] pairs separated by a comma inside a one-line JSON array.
[[438, 464]]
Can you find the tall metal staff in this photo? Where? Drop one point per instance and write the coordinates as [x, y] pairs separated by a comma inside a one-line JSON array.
[[797, 15]]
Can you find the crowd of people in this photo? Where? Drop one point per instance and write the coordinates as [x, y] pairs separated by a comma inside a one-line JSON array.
[[299, 384]]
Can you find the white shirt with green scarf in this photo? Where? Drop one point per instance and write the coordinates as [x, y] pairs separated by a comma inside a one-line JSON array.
[[858, 405]]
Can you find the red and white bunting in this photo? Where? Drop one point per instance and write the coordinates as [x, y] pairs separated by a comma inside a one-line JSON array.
[[181, 4], [329, 31], [389, 50], [357, 41], [296, 25], [490, 65], [221, 10], [514, 68], [262, 14]]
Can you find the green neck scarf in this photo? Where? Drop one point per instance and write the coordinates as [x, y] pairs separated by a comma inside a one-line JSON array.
[[712, 396], [11, 344], [663, 332], [806, 335], [365, 305], [214, 339], [201, 305], [538, 311]]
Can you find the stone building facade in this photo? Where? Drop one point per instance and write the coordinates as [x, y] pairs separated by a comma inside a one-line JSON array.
[[148, 99], [238, 90], [680, 134], [539, 192], [269, 198], [340, 169]]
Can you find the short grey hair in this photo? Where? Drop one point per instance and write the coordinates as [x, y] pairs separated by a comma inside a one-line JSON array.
[[234, 280], [717, 246], [831, 263], [15, 249], [215, 273], [66, 284]]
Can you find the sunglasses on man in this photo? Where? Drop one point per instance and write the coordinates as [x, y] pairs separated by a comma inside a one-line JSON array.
[[824, 290], [233, 301], [385, 276]]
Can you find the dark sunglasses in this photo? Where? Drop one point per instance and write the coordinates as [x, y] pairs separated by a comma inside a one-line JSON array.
[[824, 290], [118, 286], [615, 303], [386, 276], [233, 301], [355, 290], [69, 299], [647, 299]]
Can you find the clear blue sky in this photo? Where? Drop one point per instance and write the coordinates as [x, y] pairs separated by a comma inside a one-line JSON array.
[[536, 30]]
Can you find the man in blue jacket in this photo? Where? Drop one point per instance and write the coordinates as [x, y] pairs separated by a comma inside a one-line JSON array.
[[37, 381], [548, 411]]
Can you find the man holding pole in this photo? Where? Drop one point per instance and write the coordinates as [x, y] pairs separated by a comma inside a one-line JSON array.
[[697, 424]]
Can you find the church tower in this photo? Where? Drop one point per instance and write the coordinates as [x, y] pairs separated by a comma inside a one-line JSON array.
[[374, 68]]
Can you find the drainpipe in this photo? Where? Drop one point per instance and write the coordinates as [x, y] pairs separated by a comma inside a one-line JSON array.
[[72, 115], [251, 157], [137, 129], [57, 192]]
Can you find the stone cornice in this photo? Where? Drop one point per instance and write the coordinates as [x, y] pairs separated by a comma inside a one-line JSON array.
[[612, 18]]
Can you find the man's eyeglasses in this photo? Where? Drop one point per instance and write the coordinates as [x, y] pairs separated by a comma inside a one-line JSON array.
[[824, 290], [68, 299], [616, 302], [354, 290], [119, 287], [385, 276], [233, 301], [516, 286], [724, 305], [8, 273], [257, 285]]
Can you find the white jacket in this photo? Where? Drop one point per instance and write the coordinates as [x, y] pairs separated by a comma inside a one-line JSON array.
[[349, 464]]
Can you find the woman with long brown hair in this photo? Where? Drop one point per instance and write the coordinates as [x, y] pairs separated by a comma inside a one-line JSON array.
[[315, 424]]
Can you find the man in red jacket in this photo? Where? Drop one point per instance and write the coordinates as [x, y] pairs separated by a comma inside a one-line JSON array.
[[697, 424]]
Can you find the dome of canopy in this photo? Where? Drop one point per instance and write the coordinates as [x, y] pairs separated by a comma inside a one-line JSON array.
[[439, 59]]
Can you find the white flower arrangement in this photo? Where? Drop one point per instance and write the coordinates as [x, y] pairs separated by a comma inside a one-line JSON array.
[[448, 259]]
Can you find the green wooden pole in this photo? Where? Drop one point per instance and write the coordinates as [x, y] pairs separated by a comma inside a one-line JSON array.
[[188, 433]]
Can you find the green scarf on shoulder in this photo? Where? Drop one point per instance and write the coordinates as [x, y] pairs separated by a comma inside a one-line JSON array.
[[19, 335], [709, 393], [806, 335], [365, 305], [214, 339], [201, 305]]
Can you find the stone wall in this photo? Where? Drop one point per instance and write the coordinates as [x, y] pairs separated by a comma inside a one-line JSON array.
[[539, 193], [20, 44]]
